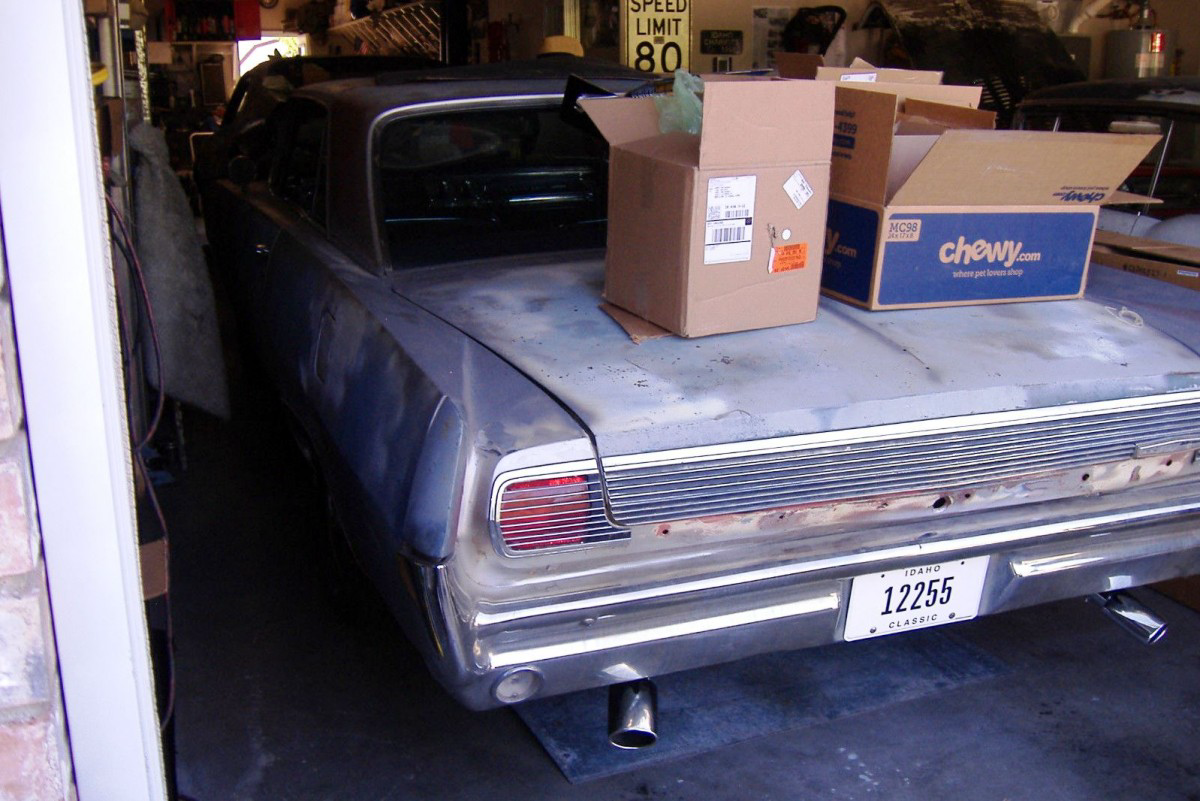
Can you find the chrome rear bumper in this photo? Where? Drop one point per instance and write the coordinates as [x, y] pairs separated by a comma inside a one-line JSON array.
[[1093, 545]]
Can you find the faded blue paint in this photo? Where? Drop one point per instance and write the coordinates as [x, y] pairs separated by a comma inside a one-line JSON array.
[[847, 369]]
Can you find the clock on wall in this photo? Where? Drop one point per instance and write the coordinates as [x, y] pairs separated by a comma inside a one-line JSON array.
[[268, 3]]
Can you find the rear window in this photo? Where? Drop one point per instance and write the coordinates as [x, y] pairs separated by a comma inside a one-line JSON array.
[[487, 182]]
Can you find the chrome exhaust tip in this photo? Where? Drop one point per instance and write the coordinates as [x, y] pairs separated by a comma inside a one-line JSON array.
[[1130, 615], [632, 714]]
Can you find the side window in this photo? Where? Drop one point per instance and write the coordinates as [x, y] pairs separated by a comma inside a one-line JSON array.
[[300, 173]]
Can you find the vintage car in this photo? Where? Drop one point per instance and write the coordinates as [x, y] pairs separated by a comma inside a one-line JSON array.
[[548, 505]]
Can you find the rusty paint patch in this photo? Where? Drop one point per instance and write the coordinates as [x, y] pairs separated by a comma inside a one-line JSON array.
[[808, 522]]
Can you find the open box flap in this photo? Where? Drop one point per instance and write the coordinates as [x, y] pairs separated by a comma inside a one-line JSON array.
[[861, 171], [970, 167], [622, 119], [1119, 198], [908, 151], [948, 115], [934, 93], [755, 123], [639, 330]]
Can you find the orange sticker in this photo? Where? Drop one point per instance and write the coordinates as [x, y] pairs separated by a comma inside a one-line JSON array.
[[789, 257]]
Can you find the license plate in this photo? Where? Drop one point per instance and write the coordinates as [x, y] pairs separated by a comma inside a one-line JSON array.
[[912, 598]]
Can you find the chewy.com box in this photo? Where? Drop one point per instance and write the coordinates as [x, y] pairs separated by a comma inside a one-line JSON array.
[[929, 207], [722, 231]]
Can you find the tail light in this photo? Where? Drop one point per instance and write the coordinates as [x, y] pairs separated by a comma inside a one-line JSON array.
[[544, 513]]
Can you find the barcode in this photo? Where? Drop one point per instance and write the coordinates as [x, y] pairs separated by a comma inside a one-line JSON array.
[[737, 211], [722, 235]]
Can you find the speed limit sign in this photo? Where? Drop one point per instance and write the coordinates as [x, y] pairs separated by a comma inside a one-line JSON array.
[[658, 34]]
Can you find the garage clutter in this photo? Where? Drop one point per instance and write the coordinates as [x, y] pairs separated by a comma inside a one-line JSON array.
[[883, 188]]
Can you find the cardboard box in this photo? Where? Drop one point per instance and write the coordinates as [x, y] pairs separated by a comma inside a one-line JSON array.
[[929, 207], [723, 231], [812, 65], [1175, 264], [861, 72]]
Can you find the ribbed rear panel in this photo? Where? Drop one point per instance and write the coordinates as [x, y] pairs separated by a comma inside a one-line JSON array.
[[852, 464]]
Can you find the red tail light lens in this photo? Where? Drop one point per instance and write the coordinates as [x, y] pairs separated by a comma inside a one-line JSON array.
[[544, 513]]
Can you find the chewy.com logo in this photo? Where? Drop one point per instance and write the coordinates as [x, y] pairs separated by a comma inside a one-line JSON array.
[[1079, 196], [1006, 252]]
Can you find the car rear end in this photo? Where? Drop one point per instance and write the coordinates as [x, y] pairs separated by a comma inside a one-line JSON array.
[[587, 562]]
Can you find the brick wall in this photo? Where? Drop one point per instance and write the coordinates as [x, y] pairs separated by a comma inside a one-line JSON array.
[[34, 760]]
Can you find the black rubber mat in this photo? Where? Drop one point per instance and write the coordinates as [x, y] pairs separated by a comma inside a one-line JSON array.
[[703, 709]]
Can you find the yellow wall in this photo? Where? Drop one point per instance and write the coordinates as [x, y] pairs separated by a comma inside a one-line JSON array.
[[272, 18], [738, 15], [526, 28], [1179, 15]]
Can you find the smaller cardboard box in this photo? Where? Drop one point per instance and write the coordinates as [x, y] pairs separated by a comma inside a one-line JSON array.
[[1166, 261], [930, 207], [862, 72], [811, 65], [723, 231]]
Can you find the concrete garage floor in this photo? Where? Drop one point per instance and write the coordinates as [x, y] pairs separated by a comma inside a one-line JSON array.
[[279, 699]]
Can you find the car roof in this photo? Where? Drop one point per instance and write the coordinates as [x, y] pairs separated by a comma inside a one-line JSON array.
[[345, 65], [354, 106], [371, 97], [1164, 94]]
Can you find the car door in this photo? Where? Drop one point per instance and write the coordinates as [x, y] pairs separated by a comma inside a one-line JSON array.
[[291, 199], [296, 298], [242, 219]]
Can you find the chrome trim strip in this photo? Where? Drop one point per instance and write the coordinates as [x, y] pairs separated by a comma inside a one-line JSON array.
[[1046, 565], [584, 645], [940, 425], [1144, 548], [920, 551]]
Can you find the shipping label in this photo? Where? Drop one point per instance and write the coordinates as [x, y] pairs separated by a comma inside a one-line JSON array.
[[798, 189], [729, 219], [788, 257]]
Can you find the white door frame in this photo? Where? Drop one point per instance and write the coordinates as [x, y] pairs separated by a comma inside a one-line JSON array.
[[58, 257]]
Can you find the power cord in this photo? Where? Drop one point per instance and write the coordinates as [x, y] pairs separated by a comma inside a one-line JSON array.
[[125, 242]]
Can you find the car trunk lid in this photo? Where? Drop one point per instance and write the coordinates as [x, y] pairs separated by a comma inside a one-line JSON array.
[[849, 369]]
